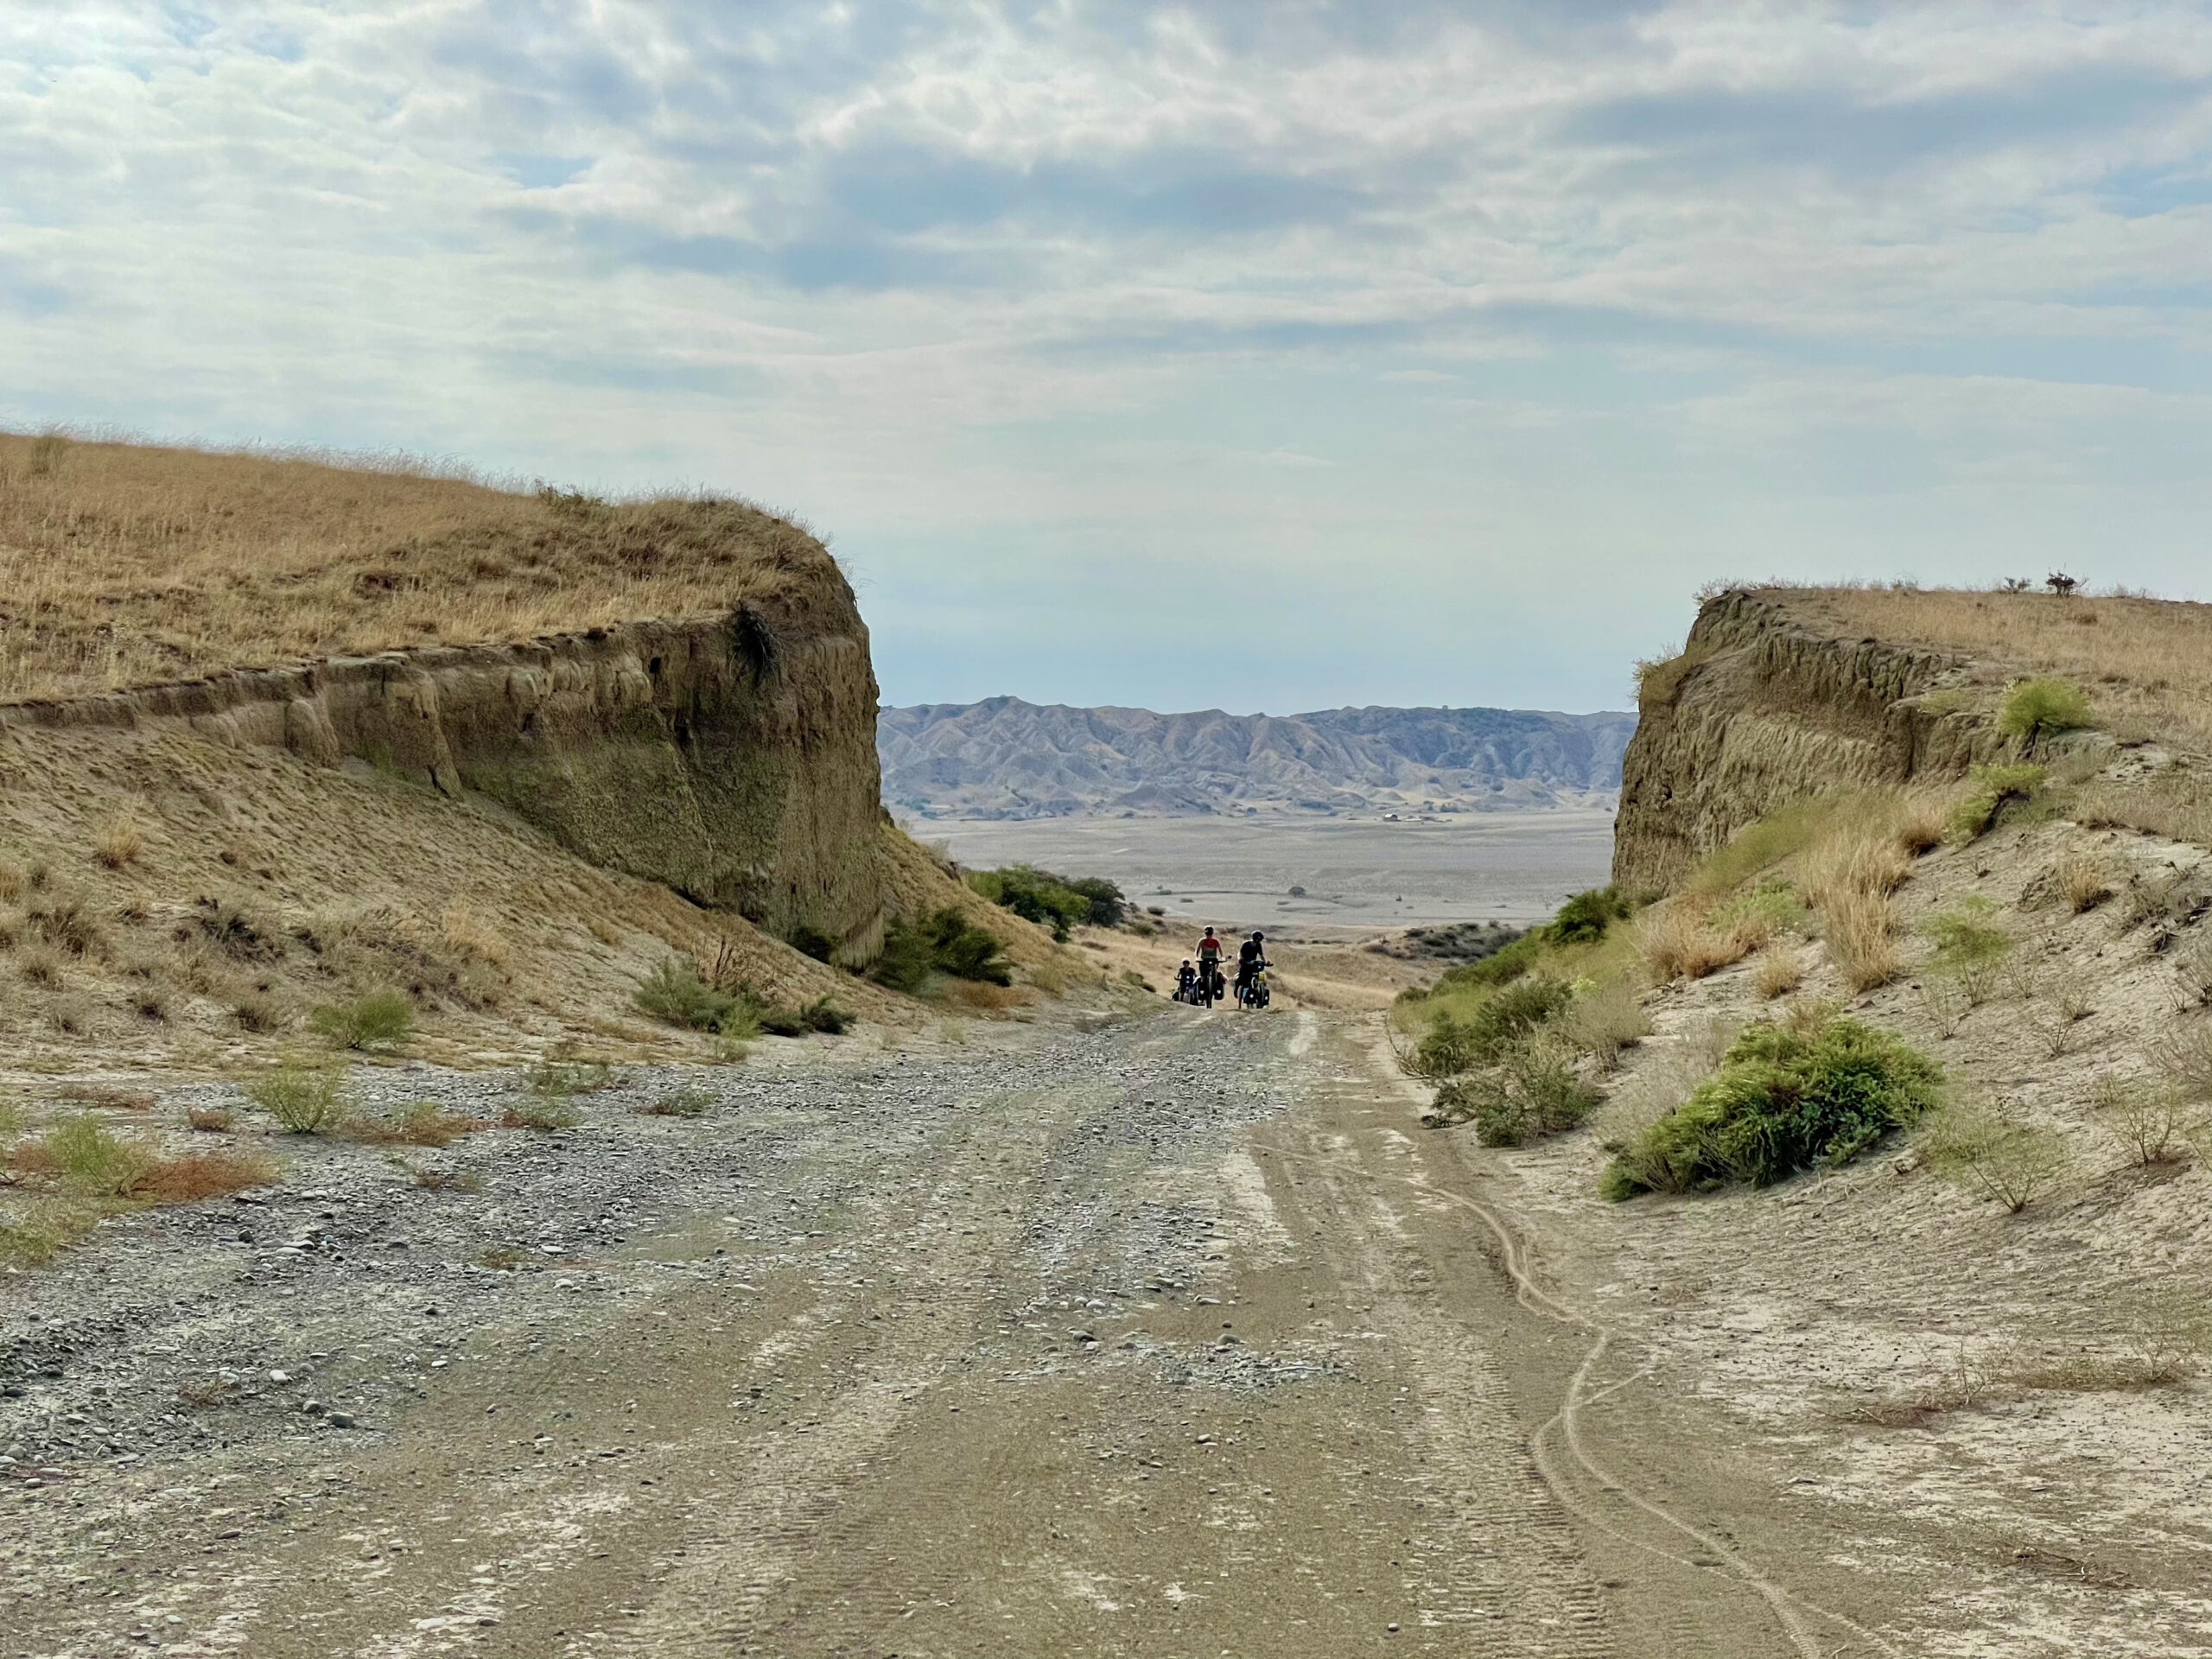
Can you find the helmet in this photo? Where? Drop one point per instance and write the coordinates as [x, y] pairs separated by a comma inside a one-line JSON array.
[[1258, 934]]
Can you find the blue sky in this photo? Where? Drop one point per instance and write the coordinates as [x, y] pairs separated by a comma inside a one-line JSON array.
[[1258, 355]]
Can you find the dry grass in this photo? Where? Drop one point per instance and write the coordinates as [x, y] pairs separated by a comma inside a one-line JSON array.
[[1778, 975], [199, 1175], [119, 842], [2149, 660], [1678, 942], [1850, 870], [212, 1120], [127, 564], [2081, 882], [422, 1124]]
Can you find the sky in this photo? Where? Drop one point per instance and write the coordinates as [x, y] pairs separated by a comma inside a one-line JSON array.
[[1264, 354]]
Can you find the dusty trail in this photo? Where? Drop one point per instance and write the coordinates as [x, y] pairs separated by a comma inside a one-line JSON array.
[[1171, 1338]]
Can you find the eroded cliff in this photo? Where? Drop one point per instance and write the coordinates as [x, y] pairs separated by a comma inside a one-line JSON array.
[[1765, 707], [733, 760]]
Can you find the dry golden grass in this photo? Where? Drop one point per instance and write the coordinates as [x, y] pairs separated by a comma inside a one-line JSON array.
[[119, 842], [1677, 942], [126, 564], [2081, 882], [2150, 659], [1778, 975]]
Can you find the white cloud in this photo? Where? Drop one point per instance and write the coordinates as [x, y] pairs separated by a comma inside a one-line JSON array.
[[1591, 297]]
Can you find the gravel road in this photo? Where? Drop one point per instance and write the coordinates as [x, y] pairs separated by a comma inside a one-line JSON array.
[[1173, 1336]]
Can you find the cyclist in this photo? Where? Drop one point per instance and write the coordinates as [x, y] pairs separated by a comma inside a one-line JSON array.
[[1210, 953], [1186, 983], [1251, 957]]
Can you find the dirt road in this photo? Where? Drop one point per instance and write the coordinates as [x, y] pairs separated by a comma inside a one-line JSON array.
[[1175, 1337]]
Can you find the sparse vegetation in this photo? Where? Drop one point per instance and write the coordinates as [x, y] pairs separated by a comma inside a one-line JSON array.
[[2080, 882], [1989, 789], [302, 1098], [200, 1175], [542, 1114], [2042, 707], [679, 1103], [88, 1159], [1532, 1089], [674, 992], [381, 1020], [2144, 1115], [424, 1124], [2010, 1162], [556, 1079], [1778, 975], [1819, 1088]]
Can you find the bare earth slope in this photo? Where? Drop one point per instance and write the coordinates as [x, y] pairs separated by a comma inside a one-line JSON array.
[[1007, 758]]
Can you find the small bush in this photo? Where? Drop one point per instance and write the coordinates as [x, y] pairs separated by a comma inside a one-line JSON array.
[[1604, 1019], [86, 1157], [1584, 918], [2144, 1115], [63, 922], [1778, 975], [212, 1120], [915, 950], [1946, 1002], [1500, 967], [258, 1011], [1860, 932], [1677, 943], [1531, 1091], [1988, 790], [2183, 1060], [2042, 707], [424, 1124], [2080, 882], [303, 1099], [119, 842], [200, 1175], [1967, 933], [545, 1114], [825, 1016], [560, 1079], [469, 937], [238, 930], [674, 993], [1451, 1046], [679, 1103], [1819, 1090], [1979, 1149], [2193, 974], [380, 1020]]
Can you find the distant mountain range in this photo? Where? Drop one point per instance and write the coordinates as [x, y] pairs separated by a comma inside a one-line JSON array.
[[1007, 758]]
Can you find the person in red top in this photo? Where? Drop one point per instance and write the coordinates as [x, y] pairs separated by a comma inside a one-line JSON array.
[[1209, 953]]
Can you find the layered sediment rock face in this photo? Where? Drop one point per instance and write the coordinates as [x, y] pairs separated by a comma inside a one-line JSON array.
[[733, 758], [1761, 709]]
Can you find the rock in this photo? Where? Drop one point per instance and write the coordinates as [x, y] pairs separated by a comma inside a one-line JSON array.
[[339, 1419]]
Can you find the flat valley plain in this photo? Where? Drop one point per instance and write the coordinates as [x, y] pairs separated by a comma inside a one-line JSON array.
[[1359, 873]]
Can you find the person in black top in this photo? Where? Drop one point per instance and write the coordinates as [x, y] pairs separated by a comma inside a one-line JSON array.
[[1251, 955]]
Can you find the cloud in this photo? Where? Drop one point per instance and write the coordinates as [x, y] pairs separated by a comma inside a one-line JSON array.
[[1517, 298]]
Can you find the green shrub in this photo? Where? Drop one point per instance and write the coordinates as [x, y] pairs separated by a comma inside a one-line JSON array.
[[1584, 918], [1782, 1100], [1774, 902], [303, 1099], [1054, 901], [2042, 707], [825, 1016], [914, 950], [783, 1022], [544, 1114], [1967, 934], [1531, 1091], [1451, 1046], [674, 992], [1991, 787], [91, 1160], [380, 1020]]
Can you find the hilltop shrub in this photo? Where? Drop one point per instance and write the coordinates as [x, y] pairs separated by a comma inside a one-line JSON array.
[[2042, 707], [917, 948], [1784, 1098], [1990, 788]]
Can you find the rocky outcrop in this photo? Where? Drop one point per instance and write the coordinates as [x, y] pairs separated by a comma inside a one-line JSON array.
[[733, 760], [1761, 709]]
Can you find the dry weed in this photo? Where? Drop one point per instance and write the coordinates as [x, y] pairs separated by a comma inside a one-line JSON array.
[[1778, 975], [1944, 1000], [1861, 936], [11, 881], [2080, 882], [1605, 1020], [2183, 1058], [1677, 943], [119, 842], [2146, 1116], [424, 1124], [213, 1120], [2003, 1159], [472, 936], [199, 1175]]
